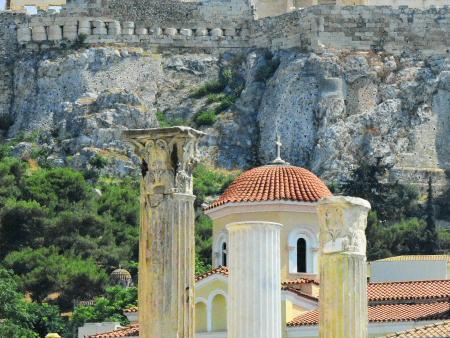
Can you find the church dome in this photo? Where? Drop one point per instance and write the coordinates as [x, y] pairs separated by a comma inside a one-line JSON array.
[[121, 277], [274, 183]]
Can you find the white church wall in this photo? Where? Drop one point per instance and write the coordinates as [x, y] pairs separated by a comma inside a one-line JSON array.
[[408, 271]]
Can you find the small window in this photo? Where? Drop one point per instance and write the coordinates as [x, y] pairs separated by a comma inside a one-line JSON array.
[[301, 255], [224, 254]]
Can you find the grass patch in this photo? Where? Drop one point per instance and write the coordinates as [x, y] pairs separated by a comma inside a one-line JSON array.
[[209, 87], [165, 122]]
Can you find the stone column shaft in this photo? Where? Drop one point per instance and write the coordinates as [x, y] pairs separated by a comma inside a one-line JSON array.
[[167, 241], [343, 267], [254, 309]]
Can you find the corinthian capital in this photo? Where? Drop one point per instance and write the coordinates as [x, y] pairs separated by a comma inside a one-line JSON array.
[[343, 222], [168, 157]]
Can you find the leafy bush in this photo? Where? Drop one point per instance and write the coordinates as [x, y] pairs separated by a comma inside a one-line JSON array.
[[109, 307], [80, 41], [205, 118], [98, 161]]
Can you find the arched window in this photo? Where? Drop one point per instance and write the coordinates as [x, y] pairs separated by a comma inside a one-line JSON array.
[[201, 322], [301, 255], [224, 254], [219, 314]]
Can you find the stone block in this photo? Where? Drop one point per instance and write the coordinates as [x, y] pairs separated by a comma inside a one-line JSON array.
[[39, 33], [24, 34], [141, 31], [99, 28], [156, 31], [128, 28], [201, 32], [216, 32], [54, 33], [171, 31], [114, 28], [230, 32], [186, 32], [84, 27]]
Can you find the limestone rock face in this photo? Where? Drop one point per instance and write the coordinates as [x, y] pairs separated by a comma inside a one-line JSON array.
[[332, 110]]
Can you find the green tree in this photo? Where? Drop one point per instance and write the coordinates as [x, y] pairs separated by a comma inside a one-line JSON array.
[[22, 223], [44, 271], [22, 319], [58, 189], [430, 243]]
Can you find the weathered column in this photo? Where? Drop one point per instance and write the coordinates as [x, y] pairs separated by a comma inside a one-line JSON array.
[[343, 270], [166, 248], [254, 309]]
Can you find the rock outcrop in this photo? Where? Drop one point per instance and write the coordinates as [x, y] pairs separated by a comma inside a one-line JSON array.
[[332, 110]]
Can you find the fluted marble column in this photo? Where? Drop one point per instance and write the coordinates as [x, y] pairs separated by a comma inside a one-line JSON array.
[[166, 248], [254, 309], [343, 269]]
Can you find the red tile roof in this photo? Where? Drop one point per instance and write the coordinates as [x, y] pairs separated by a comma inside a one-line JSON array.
[[300, 281], [436, 330], [389, 313], [300, 293], [221, 270], [129, 331], [131, 309], [274, 183], [409, 290]]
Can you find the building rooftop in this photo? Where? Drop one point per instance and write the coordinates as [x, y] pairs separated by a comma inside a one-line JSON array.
[[437, 330], [274, 183], [388, 313], [416, 258]]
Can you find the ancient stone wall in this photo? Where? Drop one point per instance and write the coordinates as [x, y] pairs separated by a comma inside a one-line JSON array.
[[361, 28], [8, 52], [383, 28], [168, 12]]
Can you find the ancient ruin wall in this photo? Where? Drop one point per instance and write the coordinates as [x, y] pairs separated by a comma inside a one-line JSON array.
[[382, 28], [8, 50], [360, 28]]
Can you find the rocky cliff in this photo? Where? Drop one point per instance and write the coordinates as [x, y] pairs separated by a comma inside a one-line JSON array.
[[332, 110]]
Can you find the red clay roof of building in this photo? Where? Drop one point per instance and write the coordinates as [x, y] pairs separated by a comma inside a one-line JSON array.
[[129, 331], [409, 290], [300, 281], [131, 309], [221, 270], [436, 330], [274, 183], [389, 313]]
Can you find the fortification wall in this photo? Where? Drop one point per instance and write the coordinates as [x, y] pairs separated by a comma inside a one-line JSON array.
[[357, 28], [8, 52], [168, 12], [362, 28]]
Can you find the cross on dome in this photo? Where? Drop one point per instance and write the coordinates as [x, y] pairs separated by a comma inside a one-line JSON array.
[[279, 160]]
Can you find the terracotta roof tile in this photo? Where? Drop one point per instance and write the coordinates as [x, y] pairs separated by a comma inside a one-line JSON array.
[[300, 281], [274, 183], [131, 309], [129, 331], [221, 270], [409, 290], [436, 330], [389, 313]]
